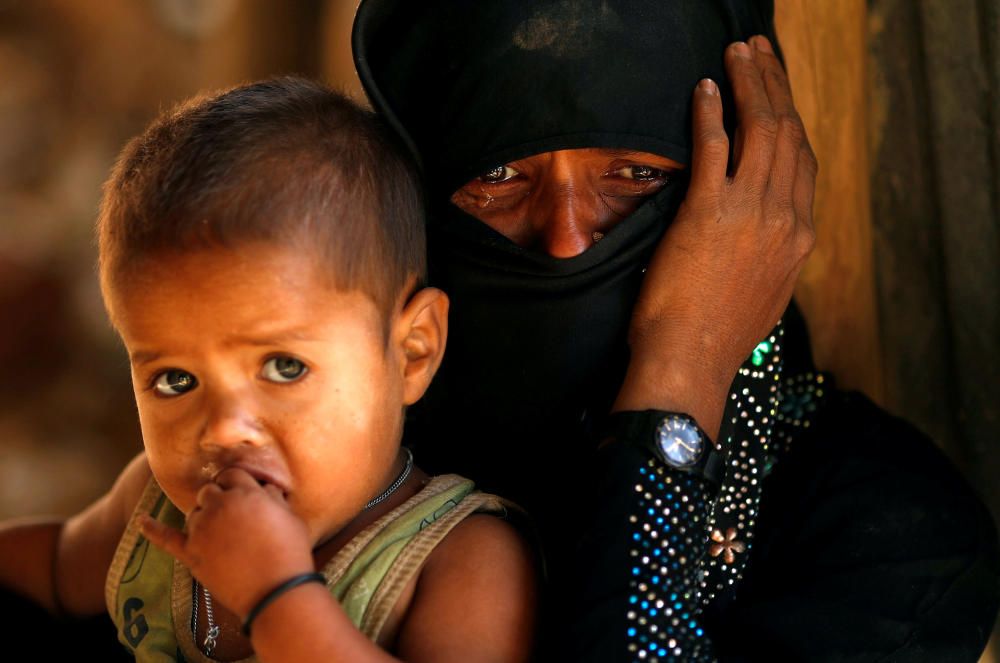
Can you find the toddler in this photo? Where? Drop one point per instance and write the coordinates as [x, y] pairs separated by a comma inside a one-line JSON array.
[[262, 257]]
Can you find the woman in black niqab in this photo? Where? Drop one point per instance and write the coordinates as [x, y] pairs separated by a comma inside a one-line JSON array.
[[538, 350]]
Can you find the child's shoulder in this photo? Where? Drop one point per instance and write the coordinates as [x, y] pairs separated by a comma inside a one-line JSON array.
[[130, 485], [480, 581], [88, 541], [489, 532], [110, 514], [480, 537]]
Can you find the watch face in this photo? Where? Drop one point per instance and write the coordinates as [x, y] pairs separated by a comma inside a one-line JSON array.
[[680, 441]]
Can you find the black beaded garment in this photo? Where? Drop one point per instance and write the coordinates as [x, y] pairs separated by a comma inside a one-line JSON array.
[[840, 533]]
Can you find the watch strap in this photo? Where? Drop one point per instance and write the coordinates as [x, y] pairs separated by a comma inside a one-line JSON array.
[[640, 428]]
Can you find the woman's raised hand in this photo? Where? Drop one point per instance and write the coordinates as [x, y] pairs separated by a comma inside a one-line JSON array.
[[724, 272]]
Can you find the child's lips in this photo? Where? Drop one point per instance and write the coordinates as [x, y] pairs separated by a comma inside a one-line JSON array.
[[262, 475]]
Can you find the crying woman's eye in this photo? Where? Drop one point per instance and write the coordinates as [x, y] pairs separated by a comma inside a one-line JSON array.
[[498, 174], [174, 383], [642, 173], [283, 369]]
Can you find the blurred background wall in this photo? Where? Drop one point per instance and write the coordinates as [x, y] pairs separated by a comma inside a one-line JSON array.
[[77, 79], [902, 102]]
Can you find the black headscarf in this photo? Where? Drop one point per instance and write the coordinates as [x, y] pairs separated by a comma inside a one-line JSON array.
[[537, 348], [477, 84]]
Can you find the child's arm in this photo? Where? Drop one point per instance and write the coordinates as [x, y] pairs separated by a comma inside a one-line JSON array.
[[62, 564], [27, 550], [474, 600]]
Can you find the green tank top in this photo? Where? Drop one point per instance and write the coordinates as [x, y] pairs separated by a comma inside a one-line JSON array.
[[148, 593]]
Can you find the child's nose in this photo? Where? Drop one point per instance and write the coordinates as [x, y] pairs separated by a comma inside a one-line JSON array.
[[233, 421]]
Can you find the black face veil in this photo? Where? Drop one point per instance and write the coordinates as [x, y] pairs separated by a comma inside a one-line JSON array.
[[537, 348]]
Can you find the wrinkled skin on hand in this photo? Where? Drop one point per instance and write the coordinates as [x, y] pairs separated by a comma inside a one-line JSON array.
[[724, 272]]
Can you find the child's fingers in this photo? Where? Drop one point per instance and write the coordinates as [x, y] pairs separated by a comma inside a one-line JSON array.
[[233, 477], [274, 492], [205, 493], [164, 537]]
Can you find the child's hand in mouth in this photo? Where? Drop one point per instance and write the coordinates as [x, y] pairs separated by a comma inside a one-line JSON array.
[[241, 539]]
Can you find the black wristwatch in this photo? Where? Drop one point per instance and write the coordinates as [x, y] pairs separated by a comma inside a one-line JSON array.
[[674, 438]]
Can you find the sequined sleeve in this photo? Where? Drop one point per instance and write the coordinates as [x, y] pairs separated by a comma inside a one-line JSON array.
[[663, 544], [640, 599], [667, 546]]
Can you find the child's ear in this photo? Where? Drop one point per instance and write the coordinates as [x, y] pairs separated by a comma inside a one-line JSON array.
[[423, 333]]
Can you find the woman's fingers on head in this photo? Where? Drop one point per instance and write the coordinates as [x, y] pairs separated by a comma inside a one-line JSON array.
[[757, 122], [790, 138], [711, 144], [804, 190], [785, 168], [773, 76]]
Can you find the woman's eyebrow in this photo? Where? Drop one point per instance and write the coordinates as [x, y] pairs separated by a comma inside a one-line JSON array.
[[614, 152], [636, 154]]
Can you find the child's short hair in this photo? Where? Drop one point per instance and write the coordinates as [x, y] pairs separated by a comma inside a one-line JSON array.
[[284, 160]]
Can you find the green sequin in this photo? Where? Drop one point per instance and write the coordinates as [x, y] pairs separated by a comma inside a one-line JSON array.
[[769, 463], [758, 353]]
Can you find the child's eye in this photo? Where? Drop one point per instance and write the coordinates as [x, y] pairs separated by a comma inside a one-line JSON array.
[[174, 383], [283, 369]]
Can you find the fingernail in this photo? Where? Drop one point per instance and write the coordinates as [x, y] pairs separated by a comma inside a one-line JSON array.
[[708, 85], [761, 43], [741, 49]]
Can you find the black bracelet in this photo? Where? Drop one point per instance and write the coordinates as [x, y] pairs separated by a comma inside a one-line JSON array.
[[269, 598]]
